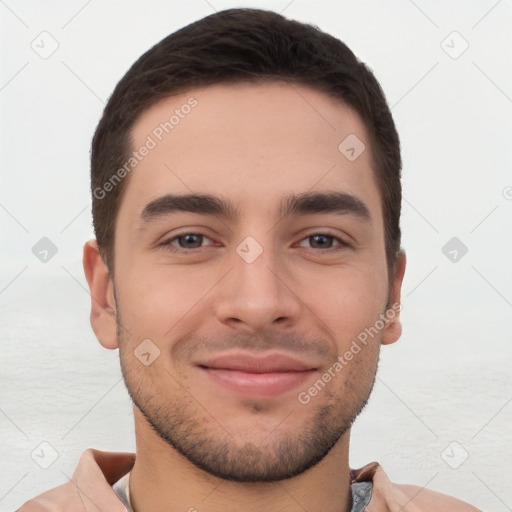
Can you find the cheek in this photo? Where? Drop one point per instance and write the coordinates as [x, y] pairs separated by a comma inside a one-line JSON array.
[[348, 301], [155, 301]]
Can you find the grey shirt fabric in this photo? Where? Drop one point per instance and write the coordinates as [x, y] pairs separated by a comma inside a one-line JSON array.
[[122, 489], [361, 493]]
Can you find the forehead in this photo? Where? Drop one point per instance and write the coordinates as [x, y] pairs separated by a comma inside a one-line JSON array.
[[251, 142]]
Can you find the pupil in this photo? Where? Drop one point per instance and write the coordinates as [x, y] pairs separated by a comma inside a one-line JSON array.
[[189, 241], [321, 240]]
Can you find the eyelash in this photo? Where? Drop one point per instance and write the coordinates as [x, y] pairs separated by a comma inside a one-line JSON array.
[[167, 245]]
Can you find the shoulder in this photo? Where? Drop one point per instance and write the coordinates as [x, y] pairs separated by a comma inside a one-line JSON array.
[[392, 497], [433, 501], [90, 486]]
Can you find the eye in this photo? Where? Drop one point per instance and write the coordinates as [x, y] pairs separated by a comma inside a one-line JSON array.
[[186, 241], [323, 241]]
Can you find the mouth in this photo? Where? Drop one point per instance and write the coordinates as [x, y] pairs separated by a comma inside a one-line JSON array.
[[271, 375]]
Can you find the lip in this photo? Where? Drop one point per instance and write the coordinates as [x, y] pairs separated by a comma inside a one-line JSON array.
[[244, 362], [266, 376]]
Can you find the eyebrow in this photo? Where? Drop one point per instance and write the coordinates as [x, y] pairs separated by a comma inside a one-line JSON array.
[[299, 204]]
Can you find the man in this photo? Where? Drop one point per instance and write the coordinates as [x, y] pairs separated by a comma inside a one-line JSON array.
[[247, 264]]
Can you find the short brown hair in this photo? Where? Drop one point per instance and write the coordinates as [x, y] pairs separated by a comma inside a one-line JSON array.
[[237, 45]]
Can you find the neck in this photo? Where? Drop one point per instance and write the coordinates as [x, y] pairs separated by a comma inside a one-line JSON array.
[[163, 480]]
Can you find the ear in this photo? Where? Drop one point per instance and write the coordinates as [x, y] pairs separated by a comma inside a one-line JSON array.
[[101, 286], [393, 329]]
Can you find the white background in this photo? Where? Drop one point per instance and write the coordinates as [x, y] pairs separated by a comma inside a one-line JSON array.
[[447, 379]]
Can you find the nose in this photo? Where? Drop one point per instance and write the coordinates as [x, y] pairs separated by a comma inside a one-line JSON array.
[[257, 295]]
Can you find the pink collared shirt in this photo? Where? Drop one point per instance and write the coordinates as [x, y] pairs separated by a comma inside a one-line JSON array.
[[90, 489]]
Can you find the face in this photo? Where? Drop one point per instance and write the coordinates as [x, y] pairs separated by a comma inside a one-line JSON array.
[[250, 252]]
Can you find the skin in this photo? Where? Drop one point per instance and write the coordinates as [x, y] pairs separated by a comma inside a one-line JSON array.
[[251, 145]]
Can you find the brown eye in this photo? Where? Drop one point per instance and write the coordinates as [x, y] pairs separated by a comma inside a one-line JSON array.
[[187, 242], [321, 241], [190, 241]]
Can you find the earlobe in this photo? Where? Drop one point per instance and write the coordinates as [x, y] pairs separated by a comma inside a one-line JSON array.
[[101, 287], [393, 329]]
